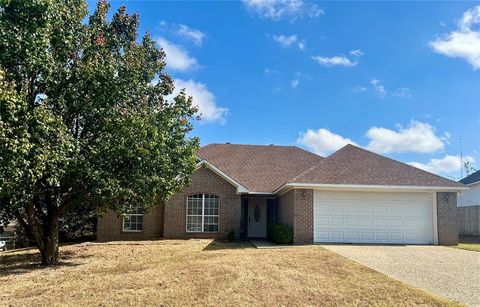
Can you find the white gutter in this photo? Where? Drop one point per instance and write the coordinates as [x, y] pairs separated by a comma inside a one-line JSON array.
[[368, 187]]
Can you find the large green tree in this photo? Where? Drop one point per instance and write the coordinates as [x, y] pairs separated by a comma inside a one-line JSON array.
[[84, 119]]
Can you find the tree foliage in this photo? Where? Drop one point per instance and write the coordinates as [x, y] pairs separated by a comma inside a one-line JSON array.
[[83, 116]]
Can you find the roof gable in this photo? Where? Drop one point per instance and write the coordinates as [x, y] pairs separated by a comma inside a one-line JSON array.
[[356, 166]]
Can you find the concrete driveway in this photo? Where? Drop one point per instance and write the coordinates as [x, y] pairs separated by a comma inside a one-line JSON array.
[[446, 271]]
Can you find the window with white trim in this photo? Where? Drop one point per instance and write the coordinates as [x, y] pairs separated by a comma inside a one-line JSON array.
[[202, 213], [133, 219]]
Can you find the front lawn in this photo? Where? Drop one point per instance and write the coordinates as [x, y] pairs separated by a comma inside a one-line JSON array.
[[192, 272]]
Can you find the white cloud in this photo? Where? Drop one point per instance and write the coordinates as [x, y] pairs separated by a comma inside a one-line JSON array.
[[378, 87], [464, 42], [417, 137], [315, 11], [294, 83], [196, 36], [338, 60], [283, 9], [323, 141], [403, 92], [177, 58], [356, 52], [285, 41], [203, 98], [270, 71], [446, 165], [359, 89], [302, 45]]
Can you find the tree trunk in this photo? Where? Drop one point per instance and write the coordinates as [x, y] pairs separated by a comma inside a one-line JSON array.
[[49, 251]]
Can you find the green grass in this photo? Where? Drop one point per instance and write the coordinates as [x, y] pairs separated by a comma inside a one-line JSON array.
[[469, 246], [469, 243]]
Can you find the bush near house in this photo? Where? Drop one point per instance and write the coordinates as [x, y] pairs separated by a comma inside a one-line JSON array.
[[231, 235], [281, 233]]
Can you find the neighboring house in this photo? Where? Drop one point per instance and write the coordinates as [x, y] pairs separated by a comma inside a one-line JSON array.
[[471, 197], [353, 196], [8, 231], [469, 206]]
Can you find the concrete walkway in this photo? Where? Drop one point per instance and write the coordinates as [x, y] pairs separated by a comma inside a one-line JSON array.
[[445, 271]]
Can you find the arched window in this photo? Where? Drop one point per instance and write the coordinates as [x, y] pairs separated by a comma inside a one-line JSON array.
[[202, 213]]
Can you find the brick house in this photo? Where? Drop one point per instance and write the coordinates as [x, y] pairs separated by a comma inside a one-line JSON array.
[[351, 196]]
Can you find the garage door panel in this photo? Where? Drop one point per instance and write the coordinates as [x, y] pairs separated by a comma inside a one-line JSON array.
[[382, 237], [322, 235], [396, 224], [352, 222], [381, 211], [337, 235], [321, 208], [322, 221], [382, 223], [366, 236], [361, 217], [352, 209], [367, 210], [337, 222], [396, 237], [367, 222], [355, 236]]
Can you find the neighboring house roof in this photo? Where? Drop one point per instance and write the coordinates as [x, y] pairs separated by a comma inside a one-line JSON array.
[[472, 178], [259, 168], [351, 165], [268, 169]]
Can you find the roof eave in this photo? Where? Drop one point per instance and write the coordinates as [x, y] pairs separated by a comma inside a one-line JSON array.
[[292, 185]]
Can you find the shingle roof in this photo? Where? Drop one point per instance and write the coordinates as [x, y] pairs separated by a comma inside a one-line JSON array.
[[475, 177], [355, 166], [259, 168]]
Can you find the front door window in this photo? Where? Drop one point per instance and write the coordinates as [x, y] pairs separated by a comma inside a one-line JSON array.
[[257, 218], [256, 213]]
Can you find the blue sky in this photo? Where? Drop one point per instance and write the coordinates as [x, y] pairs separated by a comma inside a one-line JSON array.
[[398, 78]]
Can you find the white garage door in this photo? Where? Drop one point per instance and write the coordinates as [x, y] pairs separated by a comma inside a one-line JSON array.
[[367, 217]]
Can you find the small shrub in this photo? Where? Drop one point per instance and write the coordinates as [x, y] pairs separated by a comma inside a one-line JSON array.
[[281, 233], [231, 235]]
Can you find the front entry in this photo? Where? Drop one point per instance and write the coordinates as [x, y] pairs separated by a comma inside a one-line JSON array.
[[257, 218]]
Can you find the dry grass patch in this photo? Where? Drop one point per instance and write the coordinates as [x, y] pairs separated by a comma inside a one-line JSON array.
[[199, 272]]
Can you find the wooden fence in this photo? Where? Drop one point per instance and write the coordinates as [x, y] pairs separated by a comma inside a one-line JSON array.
[[469, 220]]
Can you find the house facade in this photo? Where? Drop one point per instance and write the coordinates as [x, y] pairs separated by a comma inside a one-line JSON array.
[[352, 196]]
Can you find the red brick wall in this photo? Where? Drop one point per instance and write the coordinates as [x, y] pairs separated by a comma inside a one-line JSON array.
[[284, 208], [169, 220], [109, 226], [204, 181], [295, 208], [447, 223]]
